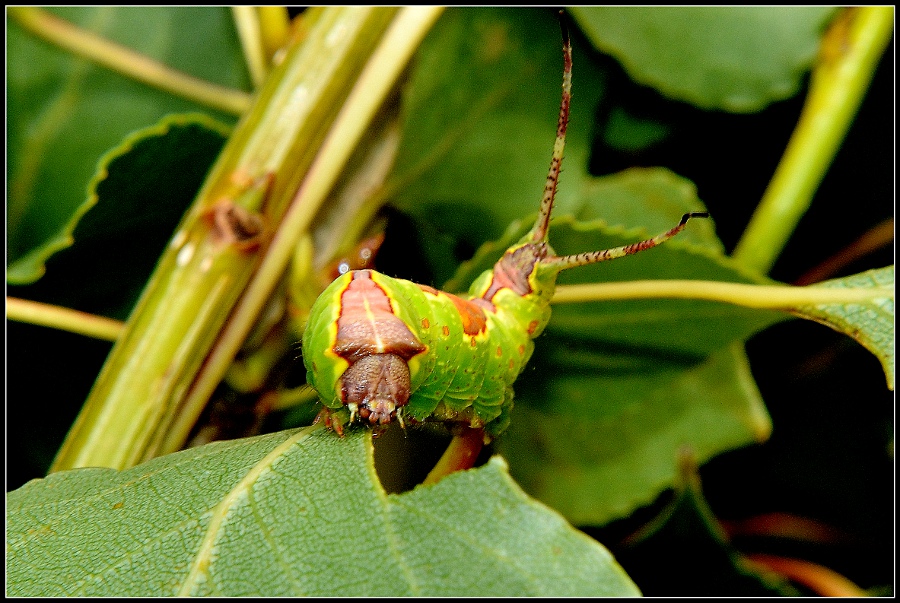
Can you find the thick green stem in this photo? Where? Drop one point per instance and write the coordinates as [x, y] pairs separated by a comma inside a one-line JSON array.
[[850, 51]]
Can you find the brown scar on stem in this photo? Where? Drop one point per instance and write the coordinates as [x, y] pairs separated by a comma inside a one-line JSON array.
[[232, 223]]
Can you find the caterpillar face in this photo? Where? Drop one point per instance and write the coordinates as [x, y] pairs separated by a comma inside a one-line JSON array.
[[375, 387]]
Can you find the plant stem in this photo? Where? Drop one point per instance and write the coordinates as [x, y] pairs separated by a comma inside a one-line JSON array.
[[56, 317], [773, 297], [848, 56], [246, 20], [824, 581], [274, 26], [460, 455], [879, 236], [128, 62]]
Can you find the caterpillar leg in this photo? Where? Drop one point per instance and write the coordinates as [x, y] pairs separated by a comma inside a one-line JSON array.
[[334, 419], [500, 422]]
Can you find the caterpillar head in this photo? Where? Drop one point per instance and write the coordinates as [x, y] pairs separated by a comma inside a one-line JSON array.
[[375, 387]]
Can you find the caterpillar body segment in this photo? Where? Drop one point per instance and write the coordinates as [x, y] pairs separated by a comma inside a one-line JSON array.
[[383, 349]]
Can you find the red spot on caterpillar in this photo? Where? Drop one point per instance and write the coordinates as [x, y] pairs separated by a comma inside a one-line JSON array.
[[474, 343], [532, 327], [521, 350], [445, 330], [499, 351], [367, 324], [425, 323], [511, 364]]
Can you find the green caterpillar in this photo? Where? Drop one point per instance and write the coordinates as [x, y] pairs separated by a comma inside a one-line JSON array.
[[384, 348]]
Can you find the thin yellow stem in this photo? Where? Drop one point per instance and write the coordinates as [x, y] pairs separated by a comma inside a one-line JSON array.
[[246, 20], [849, 55], [772, 297], [274, 27], [56, 317], [128, 62]]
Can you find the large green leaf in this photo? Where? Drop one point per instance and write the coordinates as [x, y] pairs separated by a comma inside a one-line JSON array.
[[64, 112], [870, 323], [293, 513], [138, 195], [737, 59], [597, 442]]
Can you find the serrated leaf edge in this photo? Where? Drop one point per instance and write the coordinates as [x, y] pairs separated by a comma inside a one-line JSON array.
[[20, 273]]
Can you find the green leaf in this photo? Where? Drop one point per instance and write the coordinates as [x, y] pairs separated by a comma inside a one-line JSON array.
[[293, 513], [737, 59], [479, 117], [871, 324], [595, 445], [64, 112], [136, 199]]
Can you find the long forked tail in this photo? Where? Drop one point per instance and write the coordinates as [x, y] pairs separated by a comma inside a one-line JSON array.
[[539, 231], [592, 257]]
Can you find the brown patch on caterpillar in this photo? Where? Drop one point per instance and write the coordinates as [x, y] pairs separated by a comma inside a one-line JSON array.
[[514, 268], [375, 387], [474, 322], [367, 324]]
